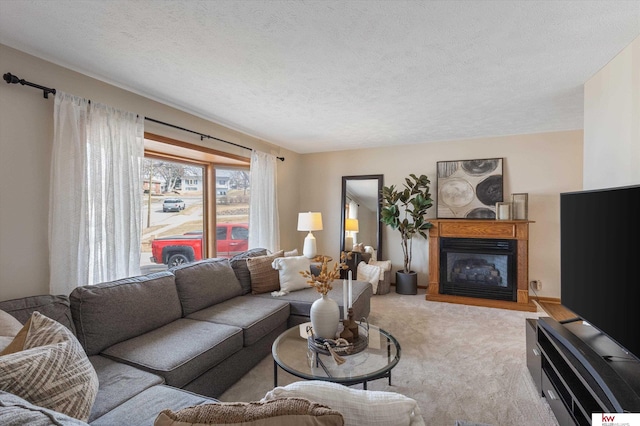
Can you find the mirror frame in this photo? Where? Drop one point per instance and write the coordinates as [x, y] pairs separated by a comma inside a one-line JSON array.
[[345, 179]]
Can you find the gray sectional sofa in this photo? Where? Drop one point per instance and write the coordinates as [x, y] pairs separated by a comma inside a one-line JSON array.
[[176, 338]]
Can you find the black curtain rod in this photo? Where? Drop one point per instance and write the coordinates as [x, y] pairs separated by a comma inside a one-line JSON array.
[[12, 79]]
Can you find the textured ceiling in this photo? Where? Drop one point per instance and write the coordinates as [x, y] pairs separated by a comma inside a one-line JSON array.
[[328, 75]]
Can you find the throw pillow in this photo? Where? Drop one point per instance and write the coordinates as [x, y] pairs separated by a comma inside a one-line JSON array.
[[293, 252], [289, 269], [52, 370], [278, 412], [359, 247], [9, 328], [239, 265], [358, 407], [264, 278], [17, 344]]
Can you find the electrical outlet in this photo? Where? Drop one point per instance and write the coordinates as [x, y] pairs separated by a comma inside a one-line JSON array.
[[536, 284]]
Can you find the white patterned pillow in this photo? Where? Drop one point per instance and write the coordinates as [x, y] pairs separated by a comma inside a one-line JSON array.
[[52, 370], [358, 407]]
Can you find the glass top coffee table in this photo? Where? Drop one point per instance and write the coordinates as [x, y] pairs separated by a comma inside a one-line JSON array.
[[291, 352]]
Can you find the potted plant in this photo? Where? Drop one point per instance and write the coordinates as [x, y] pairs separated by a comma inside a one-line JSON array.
[[404, 210]]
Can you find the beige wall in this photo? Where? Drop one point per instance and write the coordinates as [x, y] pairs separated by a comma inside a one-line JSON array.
[[26, 128], [543, 165], [612, 122]]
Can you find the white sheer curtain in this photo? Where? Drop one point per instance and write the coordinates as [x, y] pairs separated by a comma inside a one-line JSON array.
[[95, 198], [264, 228]]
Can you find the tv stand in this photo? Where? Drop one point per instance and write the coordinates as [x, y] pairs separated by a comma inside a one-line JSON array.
[[581, 371]]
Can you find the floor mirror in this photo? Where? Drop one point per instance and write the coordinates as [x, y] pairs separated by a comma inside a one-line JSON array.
[[361, 203]]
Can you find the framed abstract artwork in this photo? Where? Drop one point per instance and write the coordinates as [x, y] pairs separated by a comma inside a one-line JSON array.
[[469, 189]]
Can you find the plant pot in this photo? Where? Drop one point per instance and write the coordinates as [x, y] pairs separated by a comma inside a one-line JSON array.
[[406, 282], [325, 316]]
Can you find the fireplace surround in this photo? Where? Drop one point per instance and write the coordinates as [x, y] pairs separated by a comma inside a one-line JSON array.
[[480, 262]]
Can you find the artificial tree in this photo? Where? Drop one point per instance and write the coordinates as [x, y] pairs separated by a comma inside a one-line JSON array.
[[404, 210]]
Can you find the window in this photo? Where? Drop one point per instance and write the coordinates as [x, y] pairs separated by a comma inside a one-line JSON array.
[[182, 202], [232, 209]]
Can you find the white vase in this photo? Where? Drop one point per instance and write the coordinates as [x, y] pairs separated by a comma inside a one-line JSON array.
[[325, 317]]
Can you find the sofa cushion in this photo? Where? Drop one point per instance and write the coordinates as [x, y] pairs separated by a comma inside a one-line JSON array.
[[52, 370], [107, 313], [180, 351], [17, 411], [264, 279], [205, 283], [359, 407], [118, 383], [55, 307], [256, 316], [278, 412], [143, 408], [239, 265]]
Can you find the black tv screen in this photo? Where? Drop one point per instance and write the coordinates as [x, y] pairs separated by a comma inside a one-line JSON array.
[[600, 261]]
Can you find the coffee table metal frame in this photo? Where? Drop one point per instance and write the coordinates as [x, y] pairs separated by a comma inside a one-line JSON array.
[[297, 346]]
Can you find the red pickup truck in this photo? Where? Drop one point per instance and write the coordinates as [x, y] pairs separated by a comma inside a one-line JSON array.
[[231, 239]]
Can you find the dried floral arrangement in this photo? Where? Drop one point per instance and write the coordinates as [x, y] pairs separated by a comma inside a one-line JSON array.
[[323, 281]]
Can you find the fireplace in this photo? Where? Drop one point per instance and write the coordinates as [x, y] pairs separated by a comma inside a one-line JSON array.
[[477, 267], [481, 262]]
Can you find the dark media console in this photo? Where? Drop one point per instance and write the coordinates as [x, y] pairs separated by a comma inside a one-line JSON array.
[[581, 371]]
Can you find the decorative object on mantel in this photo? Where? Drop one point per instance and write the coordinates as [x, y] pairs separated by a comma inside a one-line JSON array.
[[325, 312], [413, 202], [503, 211], [520, 206], [469, 189]]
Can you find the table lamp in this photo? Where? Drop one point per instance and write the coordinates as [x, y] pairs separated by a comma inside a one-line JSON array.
[[351, 227], [311, 221]]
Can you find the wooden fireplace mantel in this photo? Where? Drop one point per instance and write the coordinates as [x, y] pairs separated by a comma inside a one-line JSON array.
[[502, 229]]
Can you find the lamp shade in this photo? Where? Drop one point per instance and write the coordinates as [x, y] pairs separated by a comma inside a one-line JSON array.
[[351, 225], [311, 221]]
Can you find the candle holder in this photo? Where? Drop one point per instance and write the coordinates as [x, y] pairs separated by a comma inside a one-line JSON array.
[[520, 206], [353, 326], [346, 333], [503, 211]]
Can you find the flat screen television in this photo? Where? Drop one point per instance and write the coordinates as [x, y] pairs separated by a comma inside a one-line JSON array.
[[600, 261]]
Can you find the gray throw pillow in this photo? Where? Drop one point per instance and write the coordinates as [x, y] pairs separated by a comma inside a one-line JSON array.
[[239, 265]]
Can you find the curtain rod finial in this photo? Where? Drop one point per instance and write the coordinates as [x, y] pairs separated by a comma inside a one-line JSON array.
[[10, 78]]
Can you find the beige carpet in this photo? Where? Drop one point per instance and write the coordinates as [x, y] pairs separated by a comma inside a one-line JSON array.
[[459, 362]]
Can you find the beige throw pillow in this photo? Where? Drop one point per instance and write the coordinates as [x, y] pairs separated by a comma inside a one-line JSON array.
[[9, 328], [52, 370], [264, 278], [279, 412]]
